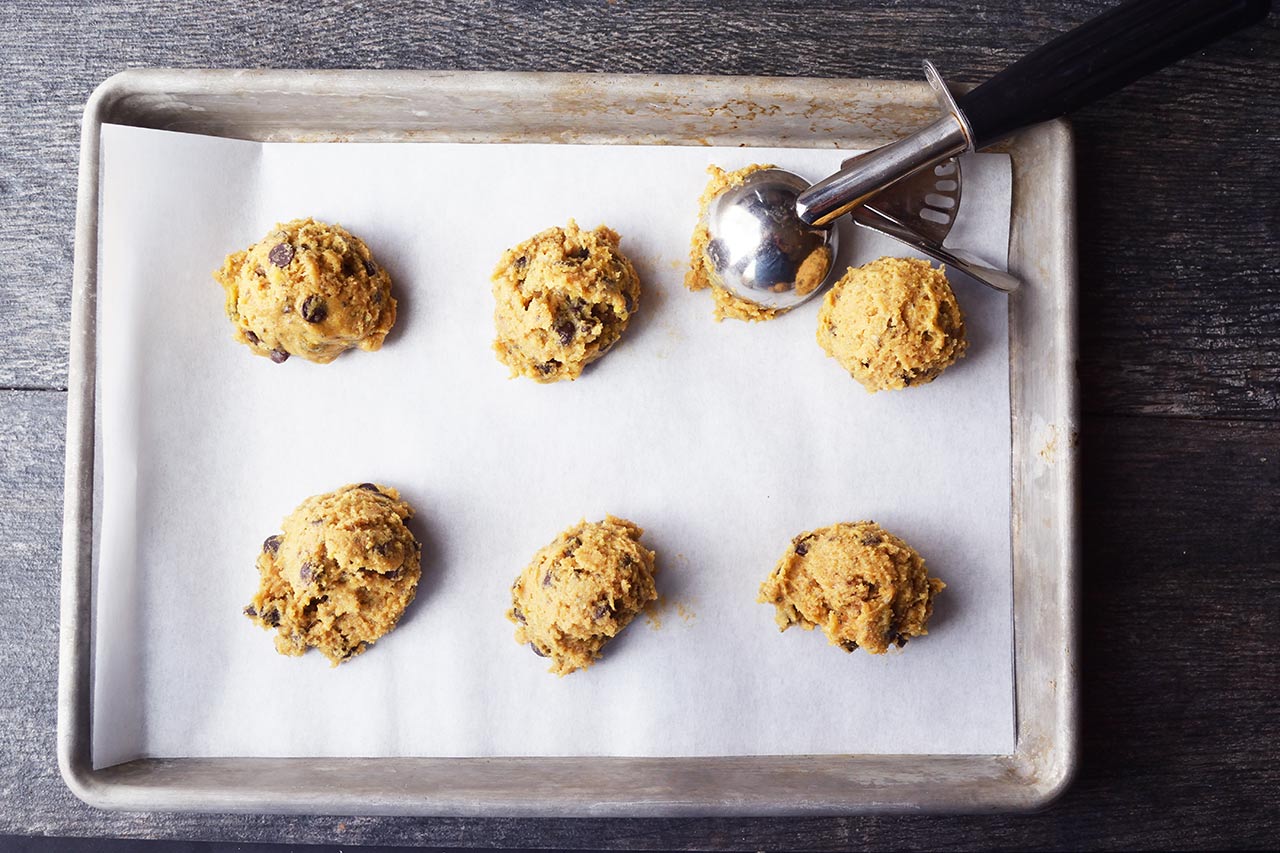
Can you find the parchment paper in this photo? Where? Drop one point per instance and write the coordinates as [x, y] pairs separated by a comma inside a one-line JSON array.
[[722, 440]]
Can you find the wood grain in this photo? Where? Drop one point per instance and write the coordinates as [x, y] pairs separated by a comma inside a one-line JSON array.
[[1180, 365]]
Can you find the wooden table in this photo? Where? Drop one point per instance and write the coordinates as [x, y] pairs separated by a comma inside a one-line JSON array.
[[1179, 182]]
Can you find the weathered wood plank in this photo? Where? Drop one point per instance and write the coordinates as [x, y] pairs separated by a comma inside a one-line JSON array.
[[1181, 580], [1180, 281]]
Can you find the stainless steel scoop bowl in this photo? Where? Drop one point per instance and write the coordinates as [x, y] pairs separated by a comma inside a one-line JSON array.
[[759, 249]]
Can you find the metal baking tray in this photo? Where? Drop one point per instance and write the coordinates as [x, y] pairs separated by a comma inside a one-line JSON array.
[[394, 106]]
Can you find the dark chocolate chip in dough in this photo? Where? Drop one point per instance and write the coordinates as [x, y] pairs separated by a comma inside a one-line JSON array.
[[305, 573], [250, 612], [849, 645], [281, 254], [369, 487], [250, 336], [314, 309], [580, 254], [547, 367], [871, 539], [260, 271], [537, 651], [384, 548], [369, 267], [272, 617], [628, 302], [546, 579], [271, 544], [601, 609], [518, 616], [279, 356], [521, 262], [565, 330]]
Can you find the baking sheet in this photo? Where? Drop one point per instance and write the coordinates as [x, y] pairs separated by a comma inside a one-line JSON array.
[[722, 440]]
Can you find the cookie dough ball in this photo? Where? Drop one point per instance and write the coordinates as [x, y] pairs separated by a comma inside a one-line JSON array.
[[340, 575], [563, 298], [892, 323], [307, 289], [860, 584], [581, 591]]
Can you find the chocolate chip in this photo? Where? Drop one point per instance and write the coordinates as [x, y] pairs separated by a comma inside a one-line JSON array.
[[350, 264], [802, 546], [377, 297], [628, 301], [600, 611], [849, 645], [281, 255], [628, 561], [580, 254], [906, 378], [537, 651], [901, 641], [518, 616], [565, 329], [305, 573], [271, 544], [370, 268], [260, 271], [521, 262], [369, 487], [250, 612], [272, 617], [393, 576], [547, 367], [279, 356], [871, 539], [546, 579], [384, 548], [251, 337], [314, 309]]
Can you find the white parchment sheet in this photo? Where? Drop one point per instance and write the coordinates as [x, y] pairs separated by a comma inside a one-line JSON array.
[[721, 440]]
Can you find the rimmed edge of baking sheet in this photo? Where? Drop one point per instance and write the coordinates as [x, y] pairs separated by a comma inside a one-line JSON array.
[[482, 107]]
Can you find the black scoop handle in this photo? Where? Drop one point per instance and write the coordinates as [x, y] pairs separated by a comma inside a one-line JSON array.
[[1099, 57]]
